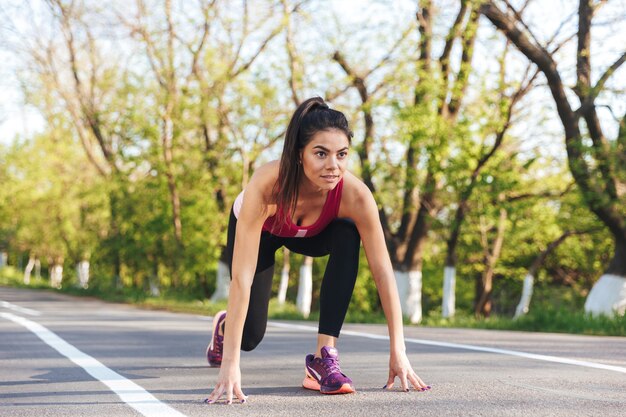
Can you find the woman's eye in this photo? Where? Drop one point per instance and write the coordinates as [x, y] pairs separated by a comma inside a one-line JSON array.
[[320, 154], [343, 154]]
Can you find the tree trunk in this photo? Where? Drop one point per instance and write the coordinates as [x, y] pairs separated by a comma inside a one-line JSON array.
[[449, 296], [484, 303], [608, 295], [284, 278], [82, 273], [408, 272], [29, 269], [222, 284], [478, 289], [448, 301], [527, 293], [305, 287], [527, 290], [410, 289], [168, 133], [154, 284], [56, 275], [114, 240]]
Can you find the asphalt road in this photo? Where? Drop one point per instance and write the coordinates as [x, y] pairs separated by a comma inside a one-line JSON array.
[[65, 356]]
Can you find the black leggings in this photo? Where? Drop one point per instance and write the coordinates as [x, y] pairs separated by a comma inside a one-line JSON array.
[[340, 239]]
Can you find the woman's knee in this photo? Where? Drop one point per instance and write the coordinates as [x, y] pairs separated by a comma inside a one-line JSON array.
[[248, 345], [251, 337]]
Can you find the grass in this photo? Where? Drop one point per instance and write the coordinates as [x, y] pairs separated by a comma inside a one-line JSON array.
[[547, 319], [540, 320]]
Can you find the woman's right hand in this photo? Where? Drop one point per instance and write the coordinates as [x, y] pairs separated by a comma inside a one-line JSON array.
[[229, 382]]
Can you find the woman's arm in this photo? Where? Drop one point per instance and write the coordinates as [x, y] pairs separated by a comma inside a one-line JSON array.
[[367, 220], [371, 231], [253, 213], [245, 254]]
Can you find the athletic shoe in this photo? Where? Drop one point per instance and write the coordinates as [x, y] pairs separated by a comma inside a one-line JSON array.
[[215, 348], [324, 375]]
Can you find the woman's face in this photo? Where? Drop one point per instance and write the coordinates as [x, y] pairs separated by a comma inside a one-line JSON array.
[[325, 158]]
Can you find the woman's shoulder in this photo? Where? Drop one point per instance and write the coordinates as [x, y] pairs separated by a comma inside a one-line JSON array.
[[354, 187], [268, 170], [264, 178], [354, 195]]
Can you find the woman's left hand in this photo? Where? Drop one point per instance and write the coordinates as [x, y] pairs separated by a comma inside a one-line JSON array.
[[400, 367]]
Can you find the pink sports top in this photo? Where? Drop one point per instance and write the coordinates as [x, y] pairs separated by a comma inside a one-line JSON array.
[[329, 213]]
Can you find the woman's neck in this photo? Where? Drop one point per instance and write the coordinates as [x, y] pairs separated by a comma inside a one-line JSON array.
[[307, 189]]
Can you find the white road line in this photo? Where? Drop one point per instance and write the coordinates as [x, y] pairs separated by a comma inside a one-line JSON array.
[[19, 309], [527, 355], [131, 393]]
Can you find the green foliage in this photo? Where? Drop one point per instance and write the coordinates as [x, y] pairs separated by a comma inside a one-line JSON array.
[[551, 320], [57, 206], [11, 277], [549, 317], [554, 308]]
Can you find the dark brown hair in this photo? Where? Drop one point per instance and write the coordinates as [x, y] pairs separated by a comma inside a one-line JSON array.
[[312, 116]]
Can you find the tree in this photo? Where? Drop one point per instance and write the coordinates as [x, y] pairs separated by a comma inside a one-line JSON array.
[[596, 163], [70, 65], [160, 114], [54, 201], [162, 59], [498, 126], [524, 303], [427, 125]]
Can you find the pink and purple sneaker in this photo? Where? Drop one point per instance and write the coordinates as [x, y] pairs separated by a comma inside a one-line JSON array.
[[324, 375], [216, 347]]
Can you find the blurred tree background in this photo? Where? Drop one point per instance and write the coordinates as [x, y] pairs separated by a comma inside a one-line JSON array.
[[152, 116]]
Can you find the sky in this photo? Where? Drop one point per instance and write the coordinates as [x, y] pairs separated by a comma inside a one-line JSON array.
[[17, 119]]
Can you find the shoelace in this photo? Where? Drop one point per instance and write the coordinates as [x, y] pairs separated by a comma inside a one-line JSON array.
[[219, 345], [331, 365]]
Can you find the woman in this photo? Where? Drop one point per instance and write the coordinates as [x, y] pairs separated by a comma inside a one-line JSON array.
[[311, 204]]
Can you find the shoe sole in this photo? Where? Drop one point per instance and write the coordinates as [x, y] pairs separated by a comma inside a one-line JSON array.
[[216, 320], [312, 384]]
